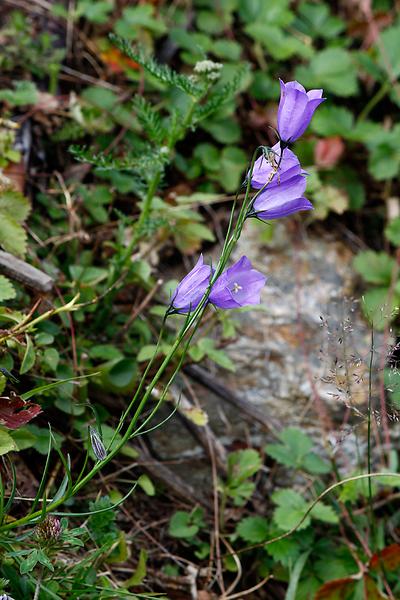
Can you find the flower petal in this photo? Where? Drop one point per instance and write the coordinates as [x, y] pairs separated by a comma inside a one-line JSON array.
[[240, 285], [263, 169]]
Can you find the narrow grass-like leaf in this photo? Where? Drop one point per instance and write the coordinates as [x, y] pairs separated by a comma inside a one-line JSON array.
[[95, 512], [44, 388], [43, 478]]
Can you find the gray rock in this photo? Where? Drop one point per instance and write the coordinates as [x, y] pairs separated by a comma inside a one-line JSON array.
[[301, 356]]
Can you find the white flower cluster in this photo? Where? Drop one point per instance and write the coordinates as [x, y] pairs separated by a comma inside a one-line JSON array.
[[208, 68]]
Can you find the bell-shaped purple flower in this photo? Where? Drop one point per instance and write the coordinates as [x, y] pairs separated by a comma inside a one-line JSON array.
[[282, 200], [240, 285], [264, 166], [191, 289], [296, 108]]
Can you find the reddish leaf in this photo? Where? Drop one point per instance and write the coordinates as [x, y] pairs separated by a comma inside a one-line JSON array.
[[371, 591], [337, 589], [328, 151], [116, 61], [14, 412], [389, 557]]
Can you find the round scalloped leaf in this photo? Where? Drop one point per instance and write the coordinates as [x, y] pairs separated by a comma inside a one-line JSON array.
[[7, 290]]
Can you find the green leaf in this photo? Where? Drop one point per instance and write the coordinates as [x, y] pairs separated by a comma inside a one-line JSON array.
[[51, 358], [44, 560], [295, 451], [42, 436], [388, 49], [96, 12], [69, 406], [12, 235], [44, 388], [7, 290], [88, 276], [392, 231], [146, 352], [227, 49], [315, 465], [253, 529], [291, 592], [161, 72], [14, 204], [291, 509], [208, 155], [380, 307], [333, 69], [29, 563], [135, 18], [233, 164], [374, 267], [7, 443], [23, 438], [140, 572], [29, 356], [182, 525], [122, 375], [384, 157], [225, 131], [315, 20], [147, 485], [332, 120], [243, 464], [14, 209], [25, 92], [105, 352], [209, 21], [325, 513], [279, 45], [284, 551], [297, 440]]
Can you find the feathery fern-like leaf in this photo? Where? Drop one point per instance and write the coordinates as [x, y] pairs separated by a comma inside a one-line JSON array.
[[150, 120], [218, 98], [147, 160], [161, 72]]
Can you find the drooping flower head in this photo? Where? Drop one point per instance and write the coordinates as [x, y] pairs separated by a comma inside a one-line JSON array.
[[240, 285], [284, 169], [191, 289], [281, 200], [296, 108]]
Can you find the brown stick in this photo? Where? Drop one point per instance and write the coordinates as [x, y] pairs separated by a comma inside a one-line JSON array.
[[22, 271]]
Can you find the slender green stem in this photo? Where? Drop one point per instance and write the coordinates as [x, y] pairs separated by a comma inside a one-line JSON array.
[[369, 449], [376, 98], [191, 324]]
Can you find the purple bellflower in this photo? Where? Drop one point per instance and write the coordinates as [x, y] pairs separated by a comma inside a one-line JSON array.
[[191, 289], [240, 285], [285, 168], [296, 108], [281, 200]]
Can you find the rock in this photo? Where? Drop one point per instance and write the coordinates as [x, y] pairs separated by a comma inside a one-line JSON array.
[[301, 356]]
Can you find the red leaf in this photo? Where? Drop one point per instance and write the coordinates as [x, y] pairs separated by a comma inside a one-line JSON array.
[[116, 61], [389, 557], [337, 589], [14, 412], [328, 151], [371, 591]]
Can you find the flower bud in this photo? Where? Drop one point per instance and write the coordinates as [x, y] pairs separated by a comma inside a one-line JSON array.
[[97, 444]]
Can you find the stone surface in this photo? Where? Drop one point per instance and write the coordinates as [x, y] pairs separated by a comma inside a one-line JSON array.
[[301, 356]]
